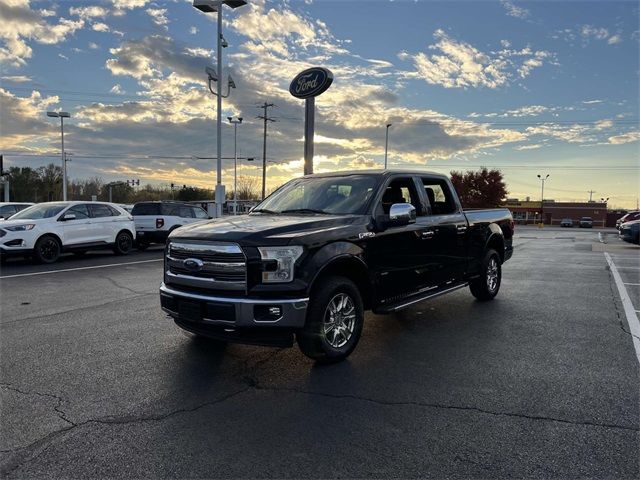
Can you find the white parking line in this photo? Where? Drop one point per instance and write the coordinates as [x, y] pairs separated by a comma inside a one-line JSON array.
[[80, 268], [629, 309], [631, 283]]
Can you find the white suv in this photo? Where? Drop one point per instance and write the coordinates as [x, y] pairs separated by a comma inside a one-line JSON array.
[[47, 229], [155, 220]]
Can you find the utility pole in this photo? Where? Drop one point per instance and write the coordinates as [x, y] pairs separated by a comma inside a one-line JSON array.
[[266, 119], [591, 192]]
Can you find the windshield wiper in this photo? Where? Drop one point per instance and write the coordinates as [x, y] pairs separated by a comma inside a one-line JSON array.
[[264, 210], [304, 210]]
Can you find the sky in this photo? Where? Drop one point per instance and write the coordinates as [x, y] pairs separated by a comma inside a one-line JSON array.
[[544, 87]]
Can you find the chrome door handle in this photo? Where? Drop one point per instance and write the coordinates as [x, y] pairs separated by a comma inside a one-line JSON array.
[[426, 235], [461, 228]]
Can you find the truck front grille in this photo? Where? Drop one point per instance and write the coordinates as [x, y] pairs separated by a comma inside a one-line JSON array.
[[212, 265]]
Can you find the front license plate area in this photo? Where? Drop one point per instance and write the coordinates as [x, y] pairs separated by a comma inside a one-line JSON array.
[[190, 311]]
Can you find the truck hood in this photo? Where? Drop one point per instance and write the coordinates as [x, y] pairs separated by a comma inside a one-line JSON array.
[[267, 229]]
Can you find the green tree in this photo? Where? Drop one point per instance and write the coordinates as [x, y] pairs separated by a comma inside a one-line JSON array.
[[24, 183], [50, 183], [480, 189]]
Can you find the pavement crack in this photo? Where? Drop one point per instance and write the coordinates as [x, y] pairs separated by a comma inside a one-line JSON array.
[[128, 289], [57, 407], [449, 407]]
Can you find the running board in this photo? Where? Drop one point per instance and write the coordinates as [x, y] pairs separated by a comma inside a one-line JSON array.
[[408, 303]]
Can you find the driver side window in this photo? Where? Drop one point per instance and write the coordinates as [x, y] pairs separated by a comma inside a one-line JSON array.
[[400, 190], [80, 211]]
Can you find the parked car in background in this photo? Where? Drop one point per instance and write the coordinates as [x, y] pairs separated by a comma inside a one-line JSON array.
[[566, 222], [9, 208], [627, 218], [630, 232], [586, 222], [155, 220], [127, 206], [312, 257], [46, 230]]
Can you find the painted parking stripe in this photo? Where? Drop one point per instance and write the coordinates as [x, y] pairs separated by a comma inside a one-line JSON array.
[[629, 309], [81, 268]]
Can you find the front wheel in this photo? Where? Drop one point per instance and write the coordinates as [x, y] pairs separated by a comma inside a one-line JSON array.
[[124, 243], [487, 285], [334, 321], [47, 249]]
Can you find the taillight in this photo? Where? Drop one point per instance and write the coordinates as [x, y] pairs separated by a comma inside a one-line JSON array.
[[159, 222]]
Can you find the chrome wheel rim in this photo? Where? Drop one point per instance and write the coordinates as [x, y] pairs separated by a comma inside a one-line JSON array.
[[339, 320], [492, 274], [49, 249]]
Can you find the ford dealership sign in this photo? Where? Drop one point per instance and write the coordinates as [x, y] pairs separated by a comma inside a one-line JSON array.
[[311, 82]]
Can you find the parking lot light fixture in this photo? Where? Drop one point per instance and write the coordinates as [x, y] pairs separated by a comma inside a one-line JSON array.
[[235, 122], [216, 6], [542, 179], [62, 116]]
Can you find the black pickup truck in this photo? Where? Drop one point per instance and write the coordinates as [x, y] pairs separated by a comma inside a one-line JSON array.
[[312, 257]]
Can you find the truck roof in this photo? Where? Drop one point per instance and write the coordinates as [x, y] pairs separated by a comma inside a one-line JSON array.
[[377, 172]]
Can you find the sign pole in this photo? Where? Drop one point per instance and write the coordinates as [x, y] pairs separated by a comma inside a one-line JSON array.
[[309, 127]]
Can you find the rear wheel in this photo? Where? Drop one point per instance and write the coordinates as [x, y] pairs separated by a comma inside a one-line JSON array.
[[334, 321], [47, 249], [487, 285], [124, 243]]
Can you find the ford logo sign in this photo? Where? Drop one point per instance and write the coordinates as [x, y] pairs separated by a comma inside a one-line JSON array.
[[193, 264], [311, 82]]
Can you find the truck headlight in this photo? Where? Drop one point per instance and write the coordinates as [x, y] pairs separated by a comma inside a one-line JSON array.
[[20, 228], [283, 260]]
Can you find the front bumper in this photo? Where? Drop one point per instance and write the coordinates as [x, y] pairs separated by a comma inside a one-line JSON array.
[[202, 311], [151, 236]]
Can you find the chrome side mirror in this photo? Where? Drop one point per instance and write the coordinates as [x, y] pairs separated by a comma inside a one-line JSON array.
[[402, 214]]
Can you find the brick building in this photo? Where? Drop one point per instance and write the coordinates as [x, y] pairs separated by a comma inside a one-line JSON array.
[[529, 212]]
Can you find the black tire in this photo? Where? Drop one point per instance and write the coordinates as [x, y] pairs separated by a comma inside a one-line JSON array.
[[47, 249], [123, 244], [320, 341], [486, 286], [142, 246]]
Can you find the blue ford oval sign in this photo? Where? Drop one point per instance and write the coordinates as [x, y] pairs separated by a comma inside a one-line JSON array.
[[311, 82], [193, 264]]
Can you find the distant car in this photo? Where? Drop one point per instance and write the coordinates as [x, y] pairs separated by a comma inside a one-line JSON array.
[[630, 232], [586, 222], [627, 218], [155, 220], [46, 230], [127, 206], [566, 222], [9, 208]]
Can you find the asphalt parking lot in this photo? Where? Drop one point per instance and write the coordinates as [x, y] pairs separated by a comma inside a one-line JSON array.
[[97, 382]]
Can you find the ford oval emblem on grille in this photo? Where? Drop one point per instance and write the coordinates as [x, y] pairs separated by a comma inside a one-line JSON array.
[[193, 264]]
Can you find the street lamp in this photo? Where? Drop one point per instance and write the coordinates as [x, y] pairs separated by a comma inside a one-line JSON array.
[[212, 6], [386, 145], [62, 116], [542, 198], [235, 123]]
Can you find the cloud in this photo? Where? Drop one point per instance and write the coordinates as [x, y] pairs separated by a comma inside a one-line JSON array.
[[614, 39], [586, 33], [19, 23], [456, 64], [624, 138], [589, 31], [193, 30], [591, 102], [89, 12], [93, 46], [100, 27], [64, 57], [513, 10], [16, 78], [129, 4], [158, 16], [117, 89], [23, 120]]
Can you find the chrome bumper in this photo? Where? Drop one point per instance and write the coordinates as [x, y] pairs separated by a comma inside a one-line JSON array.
[[246, 310]]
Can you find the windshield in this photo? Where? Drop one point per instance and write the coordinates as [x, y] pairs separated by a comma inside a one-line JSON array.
[[44, 210], [332, 195]]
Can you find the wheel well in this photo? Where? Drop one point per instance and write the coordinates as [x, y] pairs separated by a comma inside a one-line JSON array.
[[497, 243], [50, 235], [125, 230], [352, 269]]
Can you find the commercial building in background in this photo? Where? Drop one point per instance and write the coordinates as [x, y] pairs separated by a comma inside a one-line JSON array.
[[552, 212]]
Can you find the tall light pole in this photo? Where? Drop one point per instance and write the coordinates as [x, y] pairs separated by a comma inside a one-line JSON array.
[[235, 122], [209, 6], [386, 145], [542, 198], [62, 116]]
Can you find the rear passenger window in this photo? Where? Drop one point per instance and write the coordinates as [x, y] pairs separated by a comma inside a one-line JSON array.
[[200, 213], [439, 196], [80, 211], [114, 212], [146, 209], [186, 212], [171, 210], [99, 211]]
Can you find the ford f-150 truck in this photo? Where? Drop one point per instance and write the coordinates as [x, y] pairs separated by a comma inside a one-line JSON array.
[[308, 261]]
